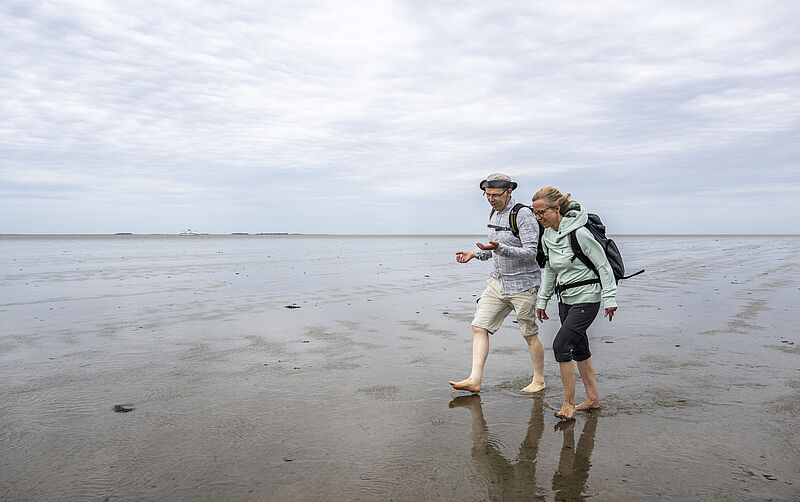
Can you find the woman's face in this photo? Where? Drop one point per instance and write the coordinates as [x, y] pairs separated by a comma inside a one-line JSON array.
[[546, 215]]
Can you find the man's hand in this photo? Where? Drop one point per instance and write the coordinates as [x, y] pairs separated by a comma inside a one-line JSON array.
[[610, 313], [541, 315], [464, 256], [488, 247]]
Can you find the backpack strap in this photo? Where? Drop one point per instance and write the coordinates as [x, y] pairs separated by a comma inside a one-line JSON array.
[[632, 275], [496, 227], [512, 218], [578, 253], [542, 255], [561, 287]]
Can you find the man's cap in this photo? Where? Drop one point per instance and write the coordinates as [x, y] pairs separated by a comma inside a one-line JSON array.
[[498, 180]]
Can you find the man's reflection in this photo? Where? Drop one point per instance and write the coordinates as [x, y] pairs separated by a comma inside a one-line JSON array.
[[516, 480], [505, 480]]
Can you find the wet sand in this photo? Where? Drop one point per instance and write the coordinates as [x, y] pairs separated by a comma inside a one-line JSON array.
[[233, 396]]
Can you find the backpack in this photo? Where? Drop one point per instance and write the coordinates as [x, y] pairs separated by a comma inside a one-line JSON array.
[[598, 231], [541, 256]]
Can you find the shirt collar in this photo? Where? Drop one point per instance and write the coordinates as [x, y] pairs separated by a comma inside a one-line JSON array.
[[509, 206]]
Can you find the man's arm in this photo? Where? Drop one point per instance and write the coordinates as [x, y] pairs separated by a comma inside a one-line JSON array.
[[465, 256], [482, 255]]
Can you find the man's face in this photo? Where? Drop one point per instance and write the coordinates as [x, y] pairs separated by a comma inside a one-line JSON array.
[[498, 197]]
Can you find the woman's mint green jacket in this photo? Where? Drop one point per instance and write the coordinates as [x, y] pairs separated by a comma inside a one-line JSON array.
[[561, 269]]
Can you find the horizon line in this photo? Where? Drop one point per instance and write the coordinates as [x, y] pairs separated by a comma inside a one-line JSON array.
[[297, 234]]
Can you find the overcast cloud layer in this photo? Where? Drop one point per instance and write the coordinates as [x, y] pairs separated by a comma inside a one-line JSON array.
[[383, 116]]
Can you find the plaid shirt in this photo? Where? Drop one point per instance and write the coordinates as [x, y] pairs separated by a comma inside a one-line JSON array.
[[515, 259]]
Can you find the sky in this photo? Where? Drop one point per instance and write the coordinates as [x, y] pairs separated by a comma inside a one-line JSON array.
[[382, 117]]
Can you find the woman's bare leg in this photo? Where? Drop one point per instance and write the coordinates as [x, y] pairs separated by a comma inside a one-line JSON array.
[[567, 370], [586, 369]]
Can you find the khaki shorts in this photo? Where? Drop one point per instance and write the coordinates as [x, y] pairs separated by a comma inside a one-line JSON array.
[[493, 307]]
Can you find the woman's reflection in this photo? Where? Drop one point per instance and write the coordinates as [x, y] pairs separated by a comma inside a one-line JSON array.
[[516, 480], [569, 481]]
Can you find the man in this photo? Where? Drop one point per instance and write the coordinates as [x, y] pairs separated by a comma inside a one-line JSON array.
[[514, 283]]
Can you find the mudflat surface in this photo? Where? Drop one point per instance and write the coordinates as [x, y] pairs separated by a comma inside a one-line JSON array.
[[224, 393]]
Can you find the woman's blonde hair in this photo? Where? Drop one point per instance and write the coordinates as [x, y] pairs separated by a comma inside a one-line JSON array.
[[554, 198]]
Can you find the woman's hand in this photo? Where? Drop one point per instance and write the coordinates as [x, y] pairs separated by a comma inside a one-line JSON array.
[[541, 315], [610, 313]]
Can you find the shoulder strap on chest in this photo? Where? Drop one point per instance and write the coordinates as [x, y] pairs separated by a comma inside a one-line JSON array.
[[578, 253], [512, 218]]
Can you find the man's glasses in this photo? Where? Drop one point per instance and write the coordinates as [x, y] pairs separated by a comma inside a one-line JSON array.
[[495, 195]]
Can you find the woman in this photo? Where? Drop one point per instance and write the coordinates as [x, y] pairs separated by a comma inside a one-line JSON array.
[[578, 304]]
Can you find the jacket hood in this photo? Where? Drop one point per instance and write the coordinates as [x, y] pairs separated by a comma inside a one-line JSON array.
[[575, 218]]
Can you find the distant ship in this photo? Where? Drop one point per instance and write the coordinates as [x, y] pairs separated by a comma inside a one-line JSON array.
[[188, 231]]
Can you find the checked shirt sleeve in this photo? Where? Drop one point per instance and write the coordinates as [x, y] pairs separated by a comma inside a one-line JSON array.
[[528, 235]]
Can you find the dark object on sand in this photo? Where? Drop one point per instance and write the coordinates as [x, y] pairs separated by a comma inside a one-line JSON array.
[[122, 408], [292, 306]]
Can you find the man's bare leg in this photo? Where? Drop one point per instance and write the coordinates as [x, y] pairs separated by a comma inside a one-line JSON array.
[[586, 369], [536, 349], [480, 350], [567, 370]]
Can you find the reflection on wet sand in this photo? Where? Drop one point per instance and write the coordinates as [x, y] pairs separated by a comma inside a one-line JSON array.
[[569, 481], [516, 479]]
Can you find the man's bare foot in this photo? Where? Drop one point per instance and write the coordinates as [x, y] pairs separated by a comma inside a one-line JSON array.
[[589, 405], [467, 384], [566, 412], [534, 387]]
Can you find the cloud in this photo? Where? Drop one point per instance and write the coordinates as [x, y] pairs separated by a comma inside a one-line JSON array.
[[393, 109]]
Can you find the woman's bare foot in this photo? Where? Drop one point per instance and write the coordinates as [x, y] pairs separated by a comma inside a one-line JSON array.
[[566, 412], [534, 387], [467, 384], [589, 404]]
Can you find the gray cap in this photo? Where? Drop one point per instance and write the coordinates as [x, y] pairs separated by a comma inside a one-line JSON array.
[[498, 180]]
